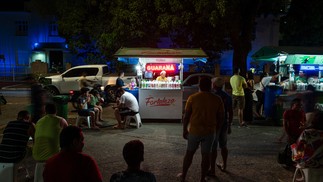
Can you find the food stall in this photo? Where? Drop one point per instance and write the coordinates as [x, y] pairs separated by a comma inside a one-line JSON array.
[[301, 68], [160, 99]]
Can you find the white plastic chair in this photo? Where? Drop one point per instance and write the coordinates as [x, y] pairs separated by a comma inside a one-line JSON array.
[[39, 169], [308, 174], [135, 117], [7, 171], [80, 118]]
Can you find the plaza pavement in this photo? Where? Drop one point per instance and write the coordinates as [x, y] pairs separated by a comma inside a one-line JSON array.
[[252, 151]]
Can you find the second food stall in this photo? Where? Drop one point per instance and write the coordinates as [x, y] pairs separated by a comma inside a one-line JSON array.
[[160, 99]]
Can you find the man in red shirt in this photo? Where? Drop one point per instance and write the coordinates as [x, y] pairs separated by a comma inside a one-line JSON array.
[[294, 120], [70, 164]]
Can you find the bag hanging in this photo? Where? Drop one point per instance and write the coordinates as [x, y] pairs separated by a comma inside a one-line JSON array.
[[3, 101]]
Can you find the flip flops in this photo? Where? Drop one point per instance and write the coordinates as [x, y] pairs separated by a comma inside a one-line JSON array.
[[221, 167], [118, 127]]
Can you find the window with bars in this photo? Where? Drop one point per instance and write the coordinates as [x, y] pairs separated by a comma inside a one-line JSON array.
[[53, 28], [21, 28]]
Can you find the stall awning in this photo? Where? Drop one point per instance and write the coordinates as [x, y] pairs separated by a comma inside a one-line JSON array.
[[268, 53], [271, 53], [155, 53]]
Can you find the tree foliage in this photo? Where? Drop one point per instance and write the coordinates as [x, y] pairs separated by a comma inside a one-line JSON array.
[[107, 25], [303, 24]]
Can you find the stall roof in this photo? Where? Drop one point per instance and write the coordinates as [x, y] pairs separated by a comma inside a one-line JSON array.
[[155, 52], [270, 53]]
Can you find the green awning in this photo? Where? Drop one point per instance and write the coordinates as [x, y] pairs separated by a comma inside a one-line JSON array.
[[155, 52], [268, 53], [271, 53], [304, 59]]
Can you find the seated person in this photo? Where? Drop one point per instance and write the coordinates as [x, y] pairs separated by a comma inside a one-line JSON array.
[[127, 104], [294, 120], [84, 110], [162, 77], [13, 147], [133, 154], [309, 145], [70, 164], [95, 102], [47, 130]]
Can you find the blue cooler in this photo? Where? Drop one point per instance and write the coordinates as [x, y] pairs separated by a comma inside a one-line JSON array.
[[271, 92]]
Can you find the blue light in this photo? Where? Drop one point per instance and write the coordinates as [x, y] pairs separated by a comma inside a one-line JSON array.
[[36, 44]]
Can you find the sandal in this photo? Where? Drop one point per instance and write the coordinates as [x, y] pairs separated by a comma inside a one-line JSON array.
[[179, 177], [221, 167], [117, 127]]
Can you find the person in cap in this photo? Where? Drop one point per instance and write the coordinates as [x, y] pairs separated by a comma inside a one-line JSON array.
[[162, 76]]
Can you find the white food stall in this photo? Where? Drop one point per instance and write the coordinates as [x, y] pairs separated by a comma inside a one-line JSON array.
[[160, 99]]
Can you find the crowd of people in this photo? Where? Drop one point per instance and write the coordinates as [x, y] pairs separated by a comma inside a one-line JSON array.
[[207, 123]]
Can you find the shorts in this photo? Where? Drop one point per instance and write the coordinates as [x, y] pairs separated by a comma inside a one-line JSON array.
[[126, 112], [85, 112], [194, 141], [221, 137], [238, 101]]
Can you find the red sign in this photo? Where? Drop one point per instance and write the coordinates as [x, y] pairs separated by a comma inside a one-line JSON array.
[[152, 101], [162, 66]]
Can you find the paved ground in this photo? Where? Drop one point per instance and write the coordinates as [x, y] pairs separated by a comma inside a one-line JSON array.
[[252, 155]]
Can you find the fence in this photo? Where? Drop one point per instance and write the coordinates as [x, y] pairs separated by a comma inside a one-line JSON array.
[[14, 73]]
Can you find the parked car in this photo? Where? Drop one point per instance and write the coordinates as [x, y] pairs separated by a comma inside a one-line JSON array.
[[69, 80], [190, 84]]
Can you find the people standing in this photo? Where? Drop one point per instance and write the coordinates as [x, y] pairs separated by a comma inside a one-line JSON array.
[[47, 132], [222, 135], [265, 79], [204, 115], [133, 154], [127, 104], [248, 109], [13, 147], [119, 81], [238, 83], [294, 120], [70, 164]]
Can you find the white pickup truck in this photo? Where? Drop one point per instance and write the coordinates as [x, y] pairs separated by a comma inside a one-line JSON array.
[[69, 80]]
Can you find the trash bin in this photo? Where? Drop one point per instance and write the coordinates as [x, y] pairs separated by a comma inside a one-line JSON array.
[[61, 102], [271, 92]]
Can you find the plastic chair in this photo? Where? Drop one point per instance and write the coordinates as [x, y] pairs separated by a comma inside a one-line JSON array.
[[80, 118], [135, 117], [7, 171], [308, 174], [39, 169]]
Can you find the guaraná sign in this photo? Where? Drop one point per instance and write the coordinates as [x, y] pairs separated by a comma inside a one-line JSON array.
[[168, 67]]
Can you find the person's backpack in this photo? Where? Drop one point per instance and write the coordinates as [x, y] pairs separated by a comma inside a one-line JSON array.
[[285, 156]]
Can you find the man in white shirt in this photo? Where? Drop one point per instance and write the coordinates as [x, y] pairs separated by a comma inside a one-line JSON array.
[[126, 105], [265, 79]]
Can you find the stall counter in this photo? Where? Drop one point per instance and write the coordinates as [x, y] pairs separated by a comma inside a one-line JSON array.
[[160, 103]]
